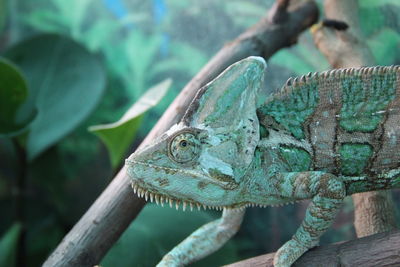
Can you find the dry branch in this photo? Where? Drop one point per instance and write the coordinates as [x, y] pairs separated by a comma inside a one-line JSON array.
[[377, 250], [374, 211], [116, 207]]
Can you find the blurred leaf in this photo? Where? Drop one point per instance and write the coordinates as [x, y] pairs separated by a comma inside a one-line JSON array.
[[43, 235], [8, 245], [99, 33], [186, 58], [61, 16], [385, 51], [155, 232], [371, 20], [45, 20], [66, 81], [291, 61], [245, 8], [119, 135], [15, 110], [73, 13], [141, 51], [375, 3], [245, 13], [136, 18], [3, 14], [313, 57]]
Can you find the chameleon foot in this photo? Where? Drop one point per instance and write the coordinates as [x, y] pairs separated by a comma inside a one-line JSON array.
[[289, 253]]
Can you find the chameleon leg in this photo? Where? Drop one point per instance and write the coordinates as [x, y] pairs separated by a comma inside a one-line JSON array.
[[327, 192], [205, 240]]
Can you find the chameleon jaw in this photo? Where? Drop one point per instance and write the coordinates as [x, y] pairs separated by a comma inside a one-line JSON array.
[[146, 191], [160, 199]]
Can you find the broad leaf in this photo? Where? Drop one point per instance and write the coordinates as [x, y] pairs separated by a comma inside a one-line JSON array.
[[8, 245], [155, 232], [65, 80], [119, 135], [15, 110]]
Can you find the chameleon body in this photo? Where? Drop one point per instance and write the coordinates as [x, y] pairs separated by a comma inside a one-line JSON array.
[[321, 137]]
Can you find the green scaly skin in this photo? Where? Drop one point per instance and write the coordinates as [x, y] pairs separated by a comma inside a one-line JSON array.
[[321, 137]]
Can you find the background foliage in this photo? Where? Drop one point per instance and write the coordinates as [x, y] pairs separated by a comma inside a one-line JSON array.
[[68, 65]]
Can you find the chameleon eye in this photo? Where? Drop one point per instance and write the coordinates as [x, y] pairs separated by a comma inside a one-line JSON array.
[[184, 147], [183, 143]]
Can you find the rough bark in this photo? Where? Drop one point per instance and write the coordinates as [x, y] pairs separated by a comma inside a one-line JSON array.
[[117, 206], [374, 211], [376, 250]]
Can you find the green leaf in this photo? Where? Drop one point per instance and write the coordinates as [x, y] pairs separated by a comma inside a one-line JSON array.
[[384, 52], [16, 112], [8, 245], [119, 135], [66, 82], [45, 21], [155, 232]]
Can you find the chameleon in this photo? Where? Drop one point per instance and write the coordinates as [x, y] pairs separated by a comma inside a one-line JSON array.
[[322, 136]]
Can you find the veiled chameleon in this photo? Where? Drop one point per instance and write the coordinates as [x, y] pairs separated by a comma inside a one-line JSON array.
[[321, 137]]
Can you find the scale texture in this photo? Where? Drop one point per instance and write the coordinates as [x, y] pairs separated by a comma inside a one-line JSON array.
[[321, 137]]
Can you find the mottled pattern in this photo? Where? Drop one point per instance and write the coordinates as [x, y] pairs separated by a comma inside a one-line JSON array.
[[296, 158], [322, 137], [291, 112], [365, 99], [354, 158], [360, 106]]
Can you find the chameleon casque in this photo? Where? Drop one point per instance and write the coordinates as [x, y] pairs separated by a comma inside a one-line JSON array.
[[321, 137]]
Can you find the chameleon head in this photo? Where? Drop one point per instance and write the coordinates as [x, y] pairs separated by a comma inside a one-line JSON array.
[[202, 159]]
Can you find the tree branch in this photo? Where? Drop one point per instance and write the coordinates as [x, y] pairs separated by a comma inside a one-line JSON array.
[[343, 49], [376, 250], [117, 206], [374, 211]]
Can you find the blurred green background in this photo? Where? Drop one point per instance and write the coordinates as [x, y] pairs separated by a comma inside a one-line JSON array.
[[70, 75]]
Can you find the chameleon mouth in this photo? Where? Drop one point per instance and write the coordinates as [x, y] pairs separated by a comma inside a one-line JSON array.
[[148, 193], [161, 199]]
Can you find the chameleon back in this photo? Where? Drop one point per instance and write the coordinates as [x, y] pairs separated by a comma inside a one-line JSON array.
[[348, 117], [321, 137]]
